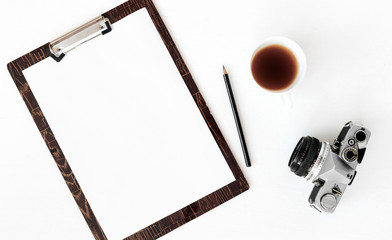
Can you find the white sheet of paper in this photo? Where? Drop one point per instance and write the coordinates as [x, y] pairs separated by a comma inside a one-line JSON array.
[[128, 127]]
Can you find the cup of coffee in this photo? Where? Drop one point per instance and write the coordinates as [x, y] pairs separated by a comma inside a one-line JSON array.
[[278, 64]]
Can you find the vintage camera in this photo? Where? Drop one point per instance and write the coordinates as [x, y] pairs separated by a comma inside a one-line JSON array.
[[330, 167]]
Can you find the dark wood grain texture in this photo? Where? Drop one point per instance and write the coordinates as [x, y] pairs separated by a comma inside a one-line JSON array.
[[15, 68], [177, 218]]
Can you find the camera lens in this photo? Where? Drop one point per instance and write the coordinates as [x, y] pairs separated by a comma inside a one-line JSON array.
[[304, 155]]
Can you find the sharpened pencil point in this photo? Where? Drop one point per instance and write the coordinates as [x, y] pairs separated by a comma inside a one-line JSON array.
[[224, 70]]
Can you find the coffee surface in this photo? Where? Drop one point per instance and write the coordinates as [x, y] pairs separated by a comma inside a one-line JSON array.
[[274, 67]]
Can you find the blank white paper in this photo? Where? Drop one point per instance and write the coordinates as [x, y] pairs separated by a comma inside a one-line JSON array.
[[128, 127]]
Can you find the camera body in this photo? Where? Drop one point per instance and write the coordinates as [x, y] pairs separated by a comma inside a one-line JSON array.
[[331, 168]]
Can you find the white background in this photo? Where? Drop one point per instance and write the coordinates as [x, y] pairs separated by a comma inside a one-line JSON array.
[[347, 44]]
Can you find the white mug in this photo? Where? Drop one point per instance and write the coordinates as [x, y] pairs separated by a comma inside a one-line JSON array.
[[300, 59]]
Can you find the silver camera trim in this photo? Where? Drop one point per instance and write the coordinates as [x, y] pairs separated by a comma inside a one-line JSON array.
[[332, 172], [318, 164]]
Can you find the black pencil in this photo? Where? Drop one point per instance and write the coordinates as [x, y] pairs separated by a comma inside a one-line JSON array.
[[236, 117]]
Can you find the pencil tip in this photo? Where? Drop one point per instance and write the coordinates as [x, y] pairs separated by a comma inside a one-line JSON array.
[[224, 70]]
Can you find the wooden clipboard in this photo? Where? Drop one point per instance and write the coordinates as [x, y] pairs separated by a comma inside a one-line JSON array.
[[57, 50]]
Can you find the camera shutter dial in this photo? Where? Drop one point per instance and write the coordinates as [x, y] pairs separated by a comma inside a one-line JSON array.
[[351, 142], [350, 154]]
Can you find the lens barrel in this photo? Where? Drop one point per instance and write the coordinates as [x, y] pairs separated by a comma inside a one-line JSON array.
[[304, 155]]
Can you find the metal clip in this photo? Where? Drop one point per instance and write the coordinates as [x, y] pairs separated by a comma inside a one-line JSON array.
[[62, 45]]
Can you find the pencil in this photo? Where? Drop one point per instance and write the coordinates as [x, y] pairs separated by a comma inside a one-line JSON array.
[[236, 117]]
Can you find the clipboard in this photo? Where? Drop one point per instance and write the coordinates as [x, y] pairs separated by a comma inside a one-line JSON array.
[[57, 50]]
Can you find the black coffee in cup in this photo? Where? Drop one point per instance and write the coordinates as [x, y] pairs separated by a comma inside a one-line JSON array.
[[274, 67]]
